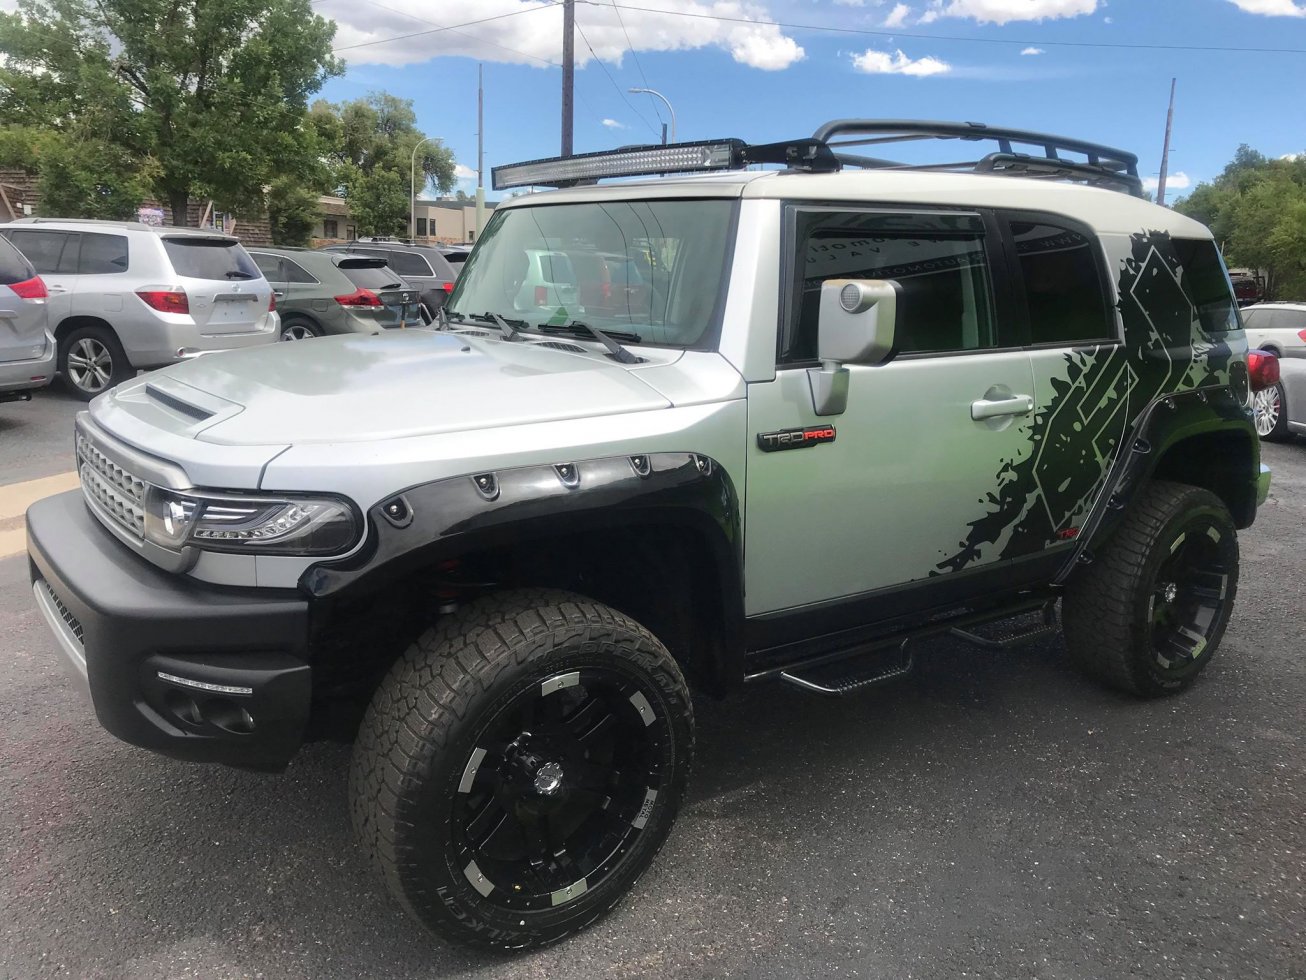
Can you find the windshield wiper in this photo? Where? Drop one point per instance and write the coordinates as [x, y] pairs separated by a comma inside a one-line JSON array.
[[608, 340], [507, 327]]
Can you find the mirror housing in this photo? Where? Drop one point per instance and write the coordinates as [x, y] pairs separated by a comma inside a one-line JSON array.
[[856, 323]]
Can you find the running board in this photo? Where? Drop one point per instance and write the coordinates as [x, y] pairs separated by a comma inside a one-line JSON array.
[[1007, 635], [858, 672]]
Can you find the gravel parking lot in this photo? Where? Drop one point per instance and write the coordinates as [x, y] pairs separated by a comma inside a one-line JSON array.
[[990, 816]]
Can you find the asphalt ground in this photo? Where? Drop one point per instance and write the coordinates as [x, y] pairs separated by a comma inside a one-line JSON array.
[[993, 815]]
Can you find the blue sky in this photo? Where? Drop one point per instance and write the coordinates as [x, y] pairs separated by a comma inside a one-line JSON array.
[[739, 69]]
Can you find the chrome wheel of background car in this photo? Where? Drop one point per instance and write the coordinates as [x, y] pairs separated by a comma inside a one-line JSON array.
[[558, 785], [1189, 595], [90, 365], [297, 331], [1266, 408]]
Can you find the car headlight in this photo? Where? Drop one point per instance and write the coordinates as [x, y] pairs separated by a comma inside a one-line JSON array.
[[250, 525]]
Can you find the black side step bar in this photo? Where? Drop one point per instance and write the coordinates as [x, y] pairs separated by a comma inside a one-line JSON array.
[[847, 676], [1008, 635]]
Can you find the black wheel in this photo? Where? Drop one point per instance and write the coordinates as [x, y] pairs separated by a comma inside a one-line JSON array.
[[299, 328], [92, 361], [1270, 412], [520, 766], [1148, 614]]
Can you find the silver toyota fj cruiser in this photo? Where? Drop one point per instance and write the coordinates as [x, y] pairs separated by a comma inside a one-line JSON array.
[[827, 405]]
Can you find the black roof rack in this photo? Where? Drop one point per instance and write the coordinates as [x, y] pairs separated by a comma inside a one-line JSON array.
[[1103, 165], [825, 152]]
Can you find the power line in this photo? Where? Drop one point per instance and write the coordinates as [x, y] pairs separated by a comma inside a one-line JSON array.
[[440, 30], [643, 118], [721, 18], [657, 109]]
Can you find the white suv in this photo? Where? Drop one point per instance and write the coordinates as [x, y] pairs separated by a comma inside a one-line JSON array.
[[125, 295]]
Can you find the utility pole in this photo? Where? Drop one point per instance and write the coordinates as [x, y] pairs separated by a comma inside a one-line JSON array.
[[568, 71], [1165, 150], [480, 149]]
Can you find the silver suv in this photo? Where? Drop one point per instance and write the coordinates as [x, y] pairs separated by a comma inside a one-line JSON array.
[[26, 347], [842, 408], [125, 295]]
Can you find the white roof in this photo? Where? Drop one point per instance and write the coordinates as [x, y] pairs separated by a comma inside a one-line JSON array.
[[1107, 211]]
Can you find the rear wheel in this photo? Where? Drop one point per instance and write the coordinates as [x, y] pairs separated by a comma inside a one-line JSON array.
[[297, 328], [520, 767], [1270, 411], [92, 361], [1148, 614]]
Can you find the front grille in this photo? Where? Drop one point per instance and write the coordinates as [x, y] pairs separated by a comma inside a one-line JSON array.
[[118, 493], [68, 617]]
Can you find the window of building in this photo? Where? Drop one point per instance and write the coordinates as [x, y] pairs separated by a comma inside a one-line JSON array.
[[1062, 283], [330, 228], [939, 262], [421, 227], [351, 232]]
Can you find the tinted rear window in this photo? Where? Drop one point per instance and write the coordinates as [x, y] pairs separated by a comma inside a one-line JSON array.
[[102, 254], [372, 277], [210, 258], [13, 267], [408, 263], [1207, 284]]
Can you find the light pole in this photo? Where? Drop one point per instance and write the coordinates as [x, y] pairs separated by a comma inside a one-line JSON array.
[[412, 185], [649, 91]]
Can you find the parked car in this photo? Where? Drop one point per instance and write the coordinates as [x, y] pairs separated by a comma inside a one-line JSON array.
[[424, 266], [27, 351], [126, 295], [1248, 287], [321, 292], [1280, 328]]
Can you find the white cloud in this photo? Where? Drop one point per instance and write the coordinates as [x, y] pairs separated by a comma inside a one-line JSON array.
[[1005, 11], [1177, 181], [1033, 51], [533, 34], [874, 62], [897, 16], [1271, 8], [850, 3], [613, 124]]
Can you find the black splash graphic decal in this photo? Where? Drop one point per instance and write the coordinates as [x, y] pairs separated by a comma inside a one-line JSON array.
[[1039, 497]]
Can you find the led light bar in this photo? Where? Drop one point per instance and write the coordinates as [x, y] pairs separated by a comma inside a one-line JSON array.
[[675, 158]]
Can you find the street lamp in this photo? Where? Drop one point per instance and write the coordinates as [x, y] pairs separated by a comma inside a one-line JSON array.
[[649, 91], [412, 185]]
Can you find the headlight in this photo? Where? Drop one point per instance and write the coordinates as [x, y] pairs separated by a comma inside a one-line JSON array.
[[250, 525]]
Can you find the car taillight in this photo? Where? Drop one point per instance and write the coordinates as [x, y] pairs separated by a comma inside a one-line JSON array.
[[1262, 369], [541, 295], [360, 297], [165, 300], [448, 287], [272, 302], [33, 288], [1301, 334]]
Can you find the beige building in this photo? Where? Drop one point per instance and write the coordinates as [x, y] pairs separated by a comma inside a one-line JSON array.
[[446, 221]]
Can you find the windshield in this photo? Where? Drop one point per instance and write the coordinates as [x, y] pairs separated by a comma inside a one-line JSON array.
[[650, 270]]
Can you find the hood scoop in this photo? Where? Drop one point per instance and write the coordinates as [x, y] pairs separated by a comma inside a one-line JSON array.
[[178, 404], [172, 405]]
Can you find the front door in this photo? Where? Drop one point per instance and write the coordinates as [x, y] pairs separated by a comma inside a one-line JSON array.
[[916, 480]]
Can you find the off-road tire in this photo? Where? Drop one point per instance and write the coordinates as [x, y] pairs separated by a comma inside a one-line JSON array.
[[120, 368], [1107, 609], [422, 727]]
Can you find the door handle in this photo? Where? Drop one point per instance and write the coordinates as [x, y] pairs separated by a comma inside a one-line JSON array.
[[279, 293], [994, 408]]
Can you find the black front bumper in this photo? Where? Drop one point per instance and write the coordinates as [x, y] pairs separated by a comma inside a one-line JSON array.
[[235, 685]]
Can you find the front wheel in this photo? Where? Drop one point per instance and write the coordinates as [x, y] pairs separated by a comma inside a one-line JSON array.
[[1147, 615], [520, 766]]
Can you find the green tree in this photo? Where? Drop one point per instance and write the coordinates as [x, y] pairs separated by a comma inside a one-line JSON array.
[[208, 98], [81, 177], [378, 135], [292, 211]]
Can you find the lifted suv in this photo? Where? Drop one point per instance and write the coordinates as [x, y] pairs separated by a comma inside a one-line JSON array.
[[848, 408]]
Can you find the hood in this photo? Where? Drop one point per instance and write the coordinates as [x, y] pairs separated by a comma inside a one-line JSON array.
[[388, 386]]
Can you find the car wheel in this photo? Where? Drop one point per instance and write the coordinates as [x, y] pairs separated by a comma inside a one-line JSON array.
[[1147, 614], [520, 766], [92, 361], [1270, 411], [298, 329]]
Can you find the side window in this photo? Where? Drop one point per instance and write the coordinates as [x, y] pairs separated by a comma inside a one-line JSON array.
[[269, 265], [1252, 318], [51, 252], [1206, 284], [102, 254], [295, 272], [1062, 283], [939, 261]]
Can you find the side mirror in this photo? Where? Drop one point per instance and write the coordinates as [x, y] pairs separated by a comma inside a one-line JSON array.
[[855, 325]]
